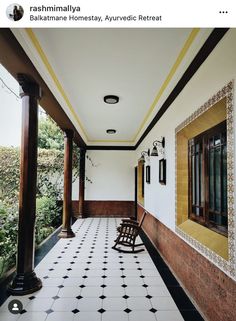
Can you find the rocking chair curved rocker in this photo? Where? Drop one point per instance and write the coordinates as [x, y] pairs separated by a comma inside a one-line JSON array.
[[128, 232]]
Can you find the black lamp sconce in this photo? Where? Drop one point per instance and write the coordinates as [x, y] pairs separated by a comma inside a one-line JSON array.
[[158, 146], [158, 149], [144, 154]]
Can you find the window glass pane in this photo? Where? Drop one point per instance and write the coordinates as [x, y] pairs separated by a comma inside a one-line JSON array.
[[217, 179], [217, 140], [212, 217], [218, 219], [211, 142], [197, 211], [202, 180], [223, 138], [197, 179], [224, 220], [208, 165], [193, 180], [211, 179], [224, 180]]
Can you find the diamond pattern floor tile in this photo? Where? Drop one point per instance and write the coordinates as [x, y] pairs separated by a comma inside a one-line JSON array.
[[85, 279]]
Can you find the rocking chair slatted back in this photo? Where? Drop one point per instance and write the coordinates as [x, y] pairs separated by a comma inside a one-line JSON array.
[[128, 232]]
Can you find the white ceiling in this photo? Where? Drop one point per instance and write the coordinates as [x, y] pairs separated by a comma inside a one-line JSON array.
[[81, 66]]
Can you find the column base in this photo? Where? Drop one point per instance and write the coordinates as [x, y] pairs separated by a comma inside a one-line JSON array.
[[81, 216], [24, 284], [66, 233]]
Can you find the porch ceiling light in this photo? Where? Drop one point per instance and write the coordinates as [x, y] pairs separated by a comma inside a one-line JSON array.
[[111, 131], [156, 145], [111, 99]]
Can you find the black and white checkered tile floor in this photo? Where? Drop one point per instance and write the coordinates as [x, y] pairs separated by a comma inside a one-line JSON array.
[[84, 279]]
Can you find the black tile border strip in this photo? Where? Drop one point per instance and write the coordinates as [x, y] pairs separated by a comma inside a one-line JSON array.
[[43, 250], [184, 304]]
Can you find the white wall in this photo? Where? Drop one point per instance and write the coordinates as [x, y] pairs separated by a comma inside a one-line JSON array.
[[215, 72], [75, 190], [112, 175]]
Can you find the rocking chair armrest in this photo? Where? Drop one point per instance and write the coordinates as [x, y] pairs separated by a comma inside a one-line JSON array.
[[129, 220], [129, 224]]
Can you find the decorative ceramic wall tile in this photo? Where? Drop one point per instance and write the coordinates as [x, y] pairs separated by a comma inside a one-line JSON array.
[[229, 267]]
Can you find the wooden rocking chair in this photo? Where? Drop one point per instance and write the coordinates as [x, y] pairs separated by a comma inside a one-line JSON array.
[[128, 232]]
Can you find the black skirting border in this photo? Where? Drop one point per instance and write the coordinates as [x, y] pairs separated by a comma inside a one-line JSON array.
[[185, 306]]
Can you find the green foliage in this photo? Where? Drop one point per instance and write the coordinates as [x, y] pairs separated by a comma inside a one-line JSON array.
[[8, 236], [51, 146], [49, 189], [48, 216], [9, 173], [50, 173], [50, 136]]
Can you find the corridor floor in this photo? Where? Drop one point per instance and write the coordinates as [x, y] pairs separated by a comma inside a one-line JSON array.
[[84, 279]]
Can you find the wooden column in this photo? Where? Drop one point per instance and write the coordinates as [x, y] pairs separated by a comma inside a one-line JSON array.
[[26, 281], [81, 182], [66, 231]]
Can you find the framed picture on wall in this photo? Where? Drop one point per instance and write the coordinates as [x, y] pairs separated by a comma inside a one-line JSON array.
[[148, 174], [162, 171], [143, 179]]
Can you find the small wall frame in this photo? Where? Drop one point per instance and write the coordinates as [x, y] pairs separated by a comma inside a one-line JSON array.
[[162, 171], [148, 174]]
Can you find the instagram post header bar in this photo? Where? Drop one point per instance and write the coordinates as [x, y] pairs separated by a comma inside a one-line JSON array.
[[119, 14]]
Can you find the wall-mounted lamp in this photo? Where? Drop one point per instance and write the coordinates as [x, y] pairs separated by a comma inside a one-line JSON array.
[[156, 145], [144, 153]]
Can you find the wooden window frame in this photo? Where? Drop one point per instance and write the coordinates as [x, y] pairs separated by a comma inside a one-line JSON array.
[[204, 218]]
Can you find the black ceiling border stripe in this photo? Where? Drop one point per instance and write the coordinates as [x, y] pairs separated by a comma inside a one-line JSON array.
[[216, 35], [211, 42]]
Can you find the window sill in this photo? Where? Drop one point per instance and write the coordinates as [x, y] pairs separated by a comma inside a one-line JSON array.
[[212, 240]]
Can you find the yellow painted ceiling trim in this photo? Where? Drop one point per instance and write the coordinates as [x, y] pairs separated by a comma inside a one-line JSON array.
[[178, 61], [42, 55]]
